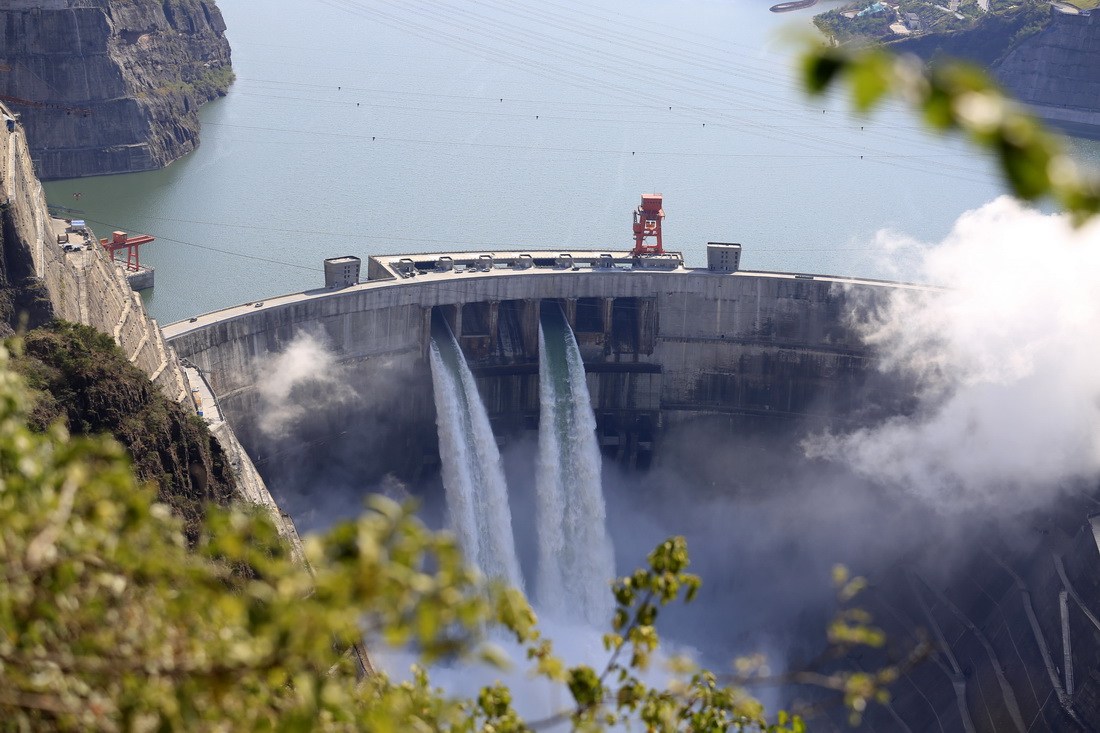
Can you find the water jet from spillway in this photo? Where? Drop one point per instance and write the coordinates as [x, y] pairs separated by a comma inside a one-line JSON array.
[[575, 553], [473, 480]]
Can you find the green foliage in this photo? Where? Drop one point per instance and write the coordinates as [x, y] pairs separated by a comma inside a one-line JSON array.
[[1032, 19], [82, 379], [954, 97], [201, 83], [697, 700], [211, 81], [869, 26], [111, 622]]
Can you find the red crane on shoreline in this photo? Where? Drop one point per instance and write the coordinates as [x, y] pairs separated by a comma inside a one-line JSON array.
[[120, 242]]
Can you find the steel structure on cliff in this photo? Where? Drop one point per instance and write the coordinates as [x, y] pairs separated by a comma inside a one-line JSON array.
[[45, 105], [120, 241]]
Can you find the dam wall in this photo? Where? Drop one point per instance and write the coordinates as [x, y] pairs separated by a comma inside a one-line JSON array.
[[660, 348]]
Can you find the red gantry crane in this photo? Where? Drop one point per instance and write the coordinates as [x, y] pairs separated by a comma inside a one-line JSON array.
[[647, 225], [120, 241]]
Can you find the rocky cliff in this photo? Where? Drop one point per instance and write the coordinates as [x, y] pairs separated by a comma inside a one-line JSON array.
[[1055, 71], [82, 379], [81, 376], [86, 382], [110, 86]]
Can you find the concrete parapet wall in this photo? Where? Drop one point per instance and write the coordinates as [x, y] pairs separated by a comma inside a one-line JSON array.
[[371, 319]]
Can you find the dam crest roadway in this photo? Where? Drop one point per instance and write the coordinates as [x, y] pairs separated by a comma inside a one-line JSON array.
[[391, 270]]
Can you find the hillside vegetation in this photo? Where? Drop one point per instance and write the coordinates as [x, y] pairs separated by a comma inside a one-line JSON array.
[[965, 32], [989, 39], [81, 379]]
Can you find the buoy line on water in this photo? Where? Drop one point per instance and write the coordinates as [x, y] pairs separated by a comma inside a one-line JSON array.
[[795, 5]]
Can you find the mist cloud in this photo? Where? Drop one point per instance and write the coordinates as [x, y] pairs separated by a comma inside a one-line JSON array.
[[1006, 359], [304, 377]]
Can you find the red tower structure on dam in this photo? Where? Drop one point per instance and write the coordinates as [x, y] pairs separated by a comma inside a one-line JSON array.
[[647, 225]]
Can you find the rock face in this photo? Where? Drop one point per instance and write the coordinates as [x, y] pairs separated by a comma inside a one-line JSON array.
[[79, 375], [1055, 71], [110, 86]]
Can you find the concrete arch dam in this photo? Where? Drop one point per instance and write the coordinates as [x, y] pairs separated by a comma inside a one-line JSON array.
[[661, 349], [708, 380]]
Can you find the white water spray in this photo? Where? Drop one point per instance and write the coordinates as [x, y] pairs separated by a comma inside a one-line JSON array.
[[576, 561], [473, 479]]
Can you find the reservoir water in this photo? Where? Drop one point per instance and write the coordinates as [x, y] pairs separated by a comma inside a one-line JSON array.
[[362, 128]]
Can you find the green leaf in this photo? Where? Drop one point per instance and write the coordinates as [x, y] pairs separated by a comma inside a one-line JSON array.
[[820, 70], [870, 80], [585, 687]]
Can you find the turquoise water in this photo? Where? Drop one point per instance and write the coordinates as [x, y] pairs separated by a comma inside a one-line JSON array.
[[362, 127]]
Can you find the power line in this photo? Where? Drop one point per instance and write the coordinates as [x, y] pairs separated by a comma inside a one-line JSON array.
[[455, 28], [606, 151], [230, 253], [500, 246], [450, 112]]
